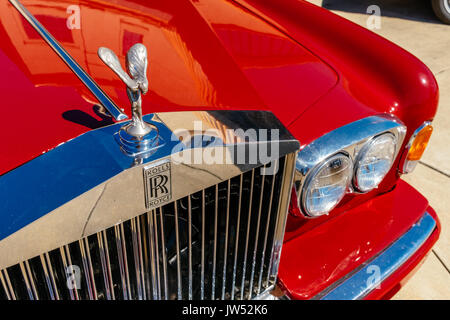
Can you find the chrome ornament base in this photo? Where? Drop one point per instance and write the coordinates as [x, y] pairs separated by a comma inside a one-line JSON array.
[[137, 144]]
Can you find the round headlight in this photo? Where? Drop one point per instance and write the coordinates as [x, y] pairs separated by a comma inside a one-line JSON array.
[[374, 162], [327, 185]]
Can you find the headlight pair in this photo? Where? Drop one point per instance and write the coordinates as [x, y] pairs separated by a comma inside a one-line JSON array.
[[355, 157]]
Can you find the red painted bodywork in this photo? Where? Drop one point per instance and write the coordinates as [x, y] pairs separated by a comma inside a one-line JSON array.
[[313, 261], [314, 70]]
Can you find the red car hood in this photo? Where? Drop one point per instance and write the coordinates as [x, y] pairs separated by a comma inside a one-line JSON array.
[[202, 55]]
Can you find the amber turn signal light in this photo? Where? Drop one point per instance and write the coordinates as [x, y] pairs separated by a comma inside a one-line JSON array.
[[416, 146]]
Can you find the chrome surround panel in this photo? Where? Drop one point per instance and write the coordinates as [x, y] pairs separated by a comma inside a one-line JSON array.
[[361, 282], [89, 184], [350, 140], [162, 254]]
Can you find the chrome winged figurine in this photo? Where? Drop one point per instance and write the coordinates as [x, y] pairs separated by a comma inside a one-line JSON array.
[[136, 61]]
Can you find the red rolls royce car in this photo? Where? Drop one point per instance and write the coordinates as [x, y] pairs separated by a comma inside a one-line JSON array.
[[207, 149]]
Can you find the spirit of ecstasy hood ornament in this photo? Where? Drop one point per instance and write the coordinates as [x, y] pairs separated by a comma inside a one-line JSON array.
[[138, 135]]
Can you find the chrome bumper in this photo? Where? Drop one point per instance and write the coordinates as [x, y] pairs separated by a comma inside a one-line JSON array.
[[370, 274]]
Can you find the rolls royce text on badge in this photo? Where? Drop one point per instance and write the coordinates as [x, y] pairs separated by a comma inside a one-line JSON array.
[[158, 184], [207, 150]]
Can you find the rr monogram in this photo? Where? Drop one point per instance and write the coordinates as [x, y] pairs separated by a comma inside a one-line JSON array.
[[158, 184]]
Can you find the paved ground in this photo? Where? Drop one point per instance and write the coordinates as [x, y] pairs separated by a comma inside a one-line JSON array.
[[412, 25]]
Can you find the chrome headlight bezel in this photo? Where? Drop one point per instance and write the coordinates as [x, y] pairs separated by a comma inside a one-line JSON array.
[[349, 139]]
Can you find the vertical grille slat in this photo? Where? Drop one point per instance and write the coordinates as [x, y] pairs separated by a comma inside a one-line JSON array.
[[6, 282], [106, 265], [49, 276], [221, 242], [67, 261], [31, 289], [163, 254], [213, 276], [202, 271], [5, 293], [279, 223], [138, 260], [179, 281], [225, 256], [255, 248], [122, 260], [151, 236], [266, 233], [88, 271], [158, 273], [189, 248], [145, 259], [247, 234], [31, 279], [236, 247]]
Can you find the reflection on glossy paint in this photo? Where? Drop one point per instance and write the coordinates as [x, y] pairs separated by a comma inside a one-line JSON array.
[[203, 55], [188, 64]]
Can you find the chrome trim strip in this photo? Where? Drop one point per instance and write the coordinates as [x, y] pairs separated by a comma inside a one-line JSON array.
[[102, 97], [360, 283], [282, 214]]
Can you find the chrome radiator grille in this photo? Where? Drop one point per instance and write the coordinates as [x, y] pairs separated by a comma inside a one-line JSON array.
[[219, 243]]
